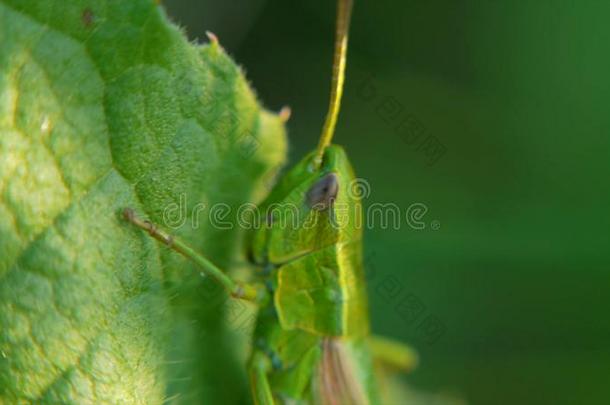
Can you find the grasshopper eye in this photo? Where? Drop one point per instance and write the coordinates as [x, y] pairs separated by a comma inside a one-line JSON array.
[[323, 193]]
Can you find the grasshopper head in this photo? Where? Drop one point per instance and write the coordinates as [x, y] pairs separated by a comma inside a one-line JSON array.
[[310, 208]]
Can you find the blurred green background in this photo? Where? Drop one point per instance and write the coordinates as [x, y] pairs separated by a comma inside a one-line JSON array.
[[516, 279]]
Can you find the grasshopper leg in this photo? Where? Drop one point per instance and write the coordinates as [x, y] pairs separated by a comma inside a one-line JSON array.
[[392, 353], [259, 383], [245, 291]]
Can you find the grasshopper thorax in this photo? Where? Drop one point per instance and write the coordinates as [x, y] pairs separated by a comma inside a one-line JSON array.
[[312, 237]]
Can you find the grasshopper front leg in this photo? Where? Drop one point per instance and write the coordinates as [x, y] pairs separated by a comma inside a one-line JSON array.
[[259, 382], [245, 291]]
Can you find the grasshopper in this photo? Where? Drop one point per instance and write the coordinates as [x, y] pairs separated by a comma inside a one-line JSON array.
[[311, 341]]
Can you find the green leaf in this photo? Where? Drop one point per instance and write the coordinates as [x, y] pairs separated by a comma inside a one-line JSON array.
[[105, 105]]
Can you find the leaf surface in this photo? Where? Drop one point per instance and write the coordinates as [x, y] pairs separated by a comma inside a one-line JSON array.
[[106, 105]]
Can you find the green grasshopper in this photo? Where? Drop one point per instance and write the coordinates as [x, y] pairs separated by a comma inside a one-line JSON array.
[[311, 342]]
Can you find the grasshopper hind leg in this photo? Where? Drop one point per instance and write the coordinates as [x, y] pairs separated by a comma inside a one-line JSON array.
[[392, 354]]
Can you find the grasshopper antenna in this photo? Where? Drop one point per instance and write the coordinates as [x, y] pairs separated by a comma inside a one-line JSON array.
[[344, 11]]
